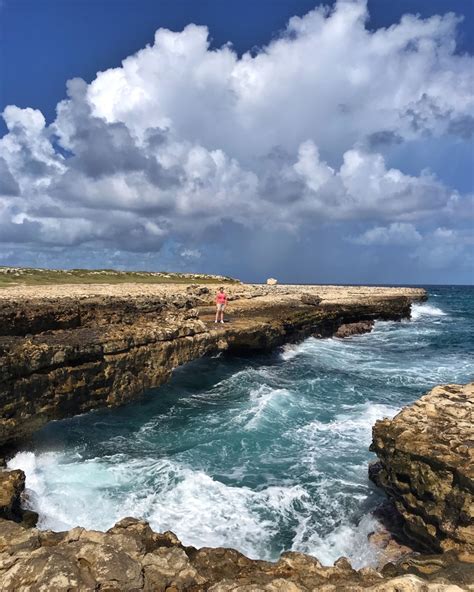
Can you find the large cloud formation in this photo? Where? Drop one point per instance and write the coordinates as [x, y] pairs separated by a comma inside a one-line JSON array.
[[197, 147]]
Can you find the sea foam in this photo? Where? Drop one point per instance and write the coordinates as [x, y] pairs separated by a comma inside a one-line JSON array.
[[263, 454], [423, 310]]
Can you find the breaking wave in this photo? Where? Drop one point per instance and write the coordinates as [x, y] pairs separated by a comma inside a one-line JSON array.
[[425, 310], [262, 454]]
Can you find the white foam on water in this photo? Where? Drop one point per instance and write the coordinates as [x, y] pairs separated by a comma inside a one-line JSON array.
[[265, 400], [362, 417], [345, 540], [65, 494], [264, 403], [425, 310], [354, 424], [290, 351], [282, 403], [308, 347], [200, 510], [387, 354]]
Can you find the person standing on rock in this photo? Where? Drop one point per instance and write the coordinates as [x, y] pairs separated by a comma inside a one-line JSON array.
[[221, 303]]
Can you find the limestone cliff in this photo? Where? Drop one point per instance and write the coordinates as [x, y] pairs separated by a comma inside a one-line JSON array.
[[67, 354], [71, 351], [426, 455]]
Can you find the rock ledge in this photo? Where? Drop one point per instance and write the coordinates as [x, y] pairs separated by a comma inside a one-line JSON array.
[[426, 467], [66, 350]]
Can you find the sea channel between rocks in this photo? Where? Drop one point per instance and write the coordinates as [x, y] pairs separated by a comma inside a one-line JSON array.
[[131, 332]]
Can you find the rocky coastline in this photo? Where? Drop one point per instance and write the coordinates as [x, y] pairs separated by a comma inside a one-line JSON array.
[[131, 557], [63, 354], [72, 349]]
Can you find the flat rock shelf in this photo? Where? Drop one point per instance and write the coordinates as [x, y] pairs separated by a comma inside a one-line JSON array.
[[66, 350]]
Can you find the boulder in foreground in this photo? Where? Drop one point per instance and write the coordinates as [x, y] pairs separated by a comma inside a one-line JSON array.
[[426, 467], [130, 557]]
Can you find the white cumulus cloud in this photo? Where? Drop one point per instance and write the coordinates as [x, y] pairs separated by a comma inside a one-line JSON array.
[[398, 233], [183, 140]]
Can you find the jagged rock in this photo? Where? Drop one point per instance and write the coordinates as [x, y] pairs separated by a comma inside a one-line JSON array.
[[349, 329], [388, 537], [12, 484], [272, 282], [449, 568], [197, 290], [130, 557], [390, 550], [426, 455]]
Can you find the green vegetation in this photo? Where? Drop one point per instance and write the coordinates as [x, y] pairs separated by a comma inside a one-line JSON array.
[[10, 276]]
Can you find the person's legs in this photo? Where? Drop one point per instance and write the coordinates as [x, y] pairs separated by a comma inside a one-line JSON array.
[[219, 313]]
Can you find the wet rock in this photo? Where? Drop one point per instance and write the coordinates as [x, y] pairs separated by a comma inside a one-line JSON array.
[[388, 538], [349, 329], [390, 550]]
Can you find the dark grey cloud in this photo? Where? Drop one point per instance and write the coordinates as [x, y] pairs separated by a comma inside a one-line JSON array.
[[99, 148], [383, 138], [8, 184], [278, 183], [462, 126], [22, 232]]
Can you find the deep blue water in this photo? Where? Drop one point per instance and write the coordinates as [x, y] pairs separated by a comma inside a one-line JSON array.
[[265, 453]]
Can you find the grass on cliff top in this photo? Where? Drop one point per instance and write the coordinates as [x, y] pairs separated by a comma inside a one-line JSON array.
[[11, 276]]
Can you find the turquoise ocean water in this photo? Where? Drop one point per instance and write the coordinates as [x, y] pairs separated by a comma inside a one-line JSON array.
[[265, 453]]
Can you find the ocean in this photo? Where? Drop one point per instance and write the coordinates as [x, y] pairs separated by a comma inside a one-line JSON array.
[[265, 453]]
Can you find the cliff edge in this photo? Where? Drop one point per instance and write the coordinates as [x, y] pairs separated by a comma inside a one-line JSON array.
[[66, 350], [62, 354]]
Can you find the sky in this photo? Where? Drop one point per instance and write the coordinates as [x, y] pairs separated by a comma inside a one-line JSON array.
[[308, 141]]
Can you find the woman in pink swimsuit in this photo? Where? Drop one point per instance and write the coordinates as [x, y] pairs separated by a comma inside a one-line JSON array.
[[221, 303]]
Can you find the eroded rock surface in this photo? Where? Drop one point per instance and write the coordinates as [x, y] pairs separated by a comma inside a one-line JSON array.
[[75, 350], [131, 557], [426, 455], [66, 350], [12, 484], [347, 330]]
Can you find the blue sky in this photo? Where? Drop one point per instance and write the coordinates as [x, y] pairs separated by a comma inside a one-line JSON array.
[[283, 138]]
